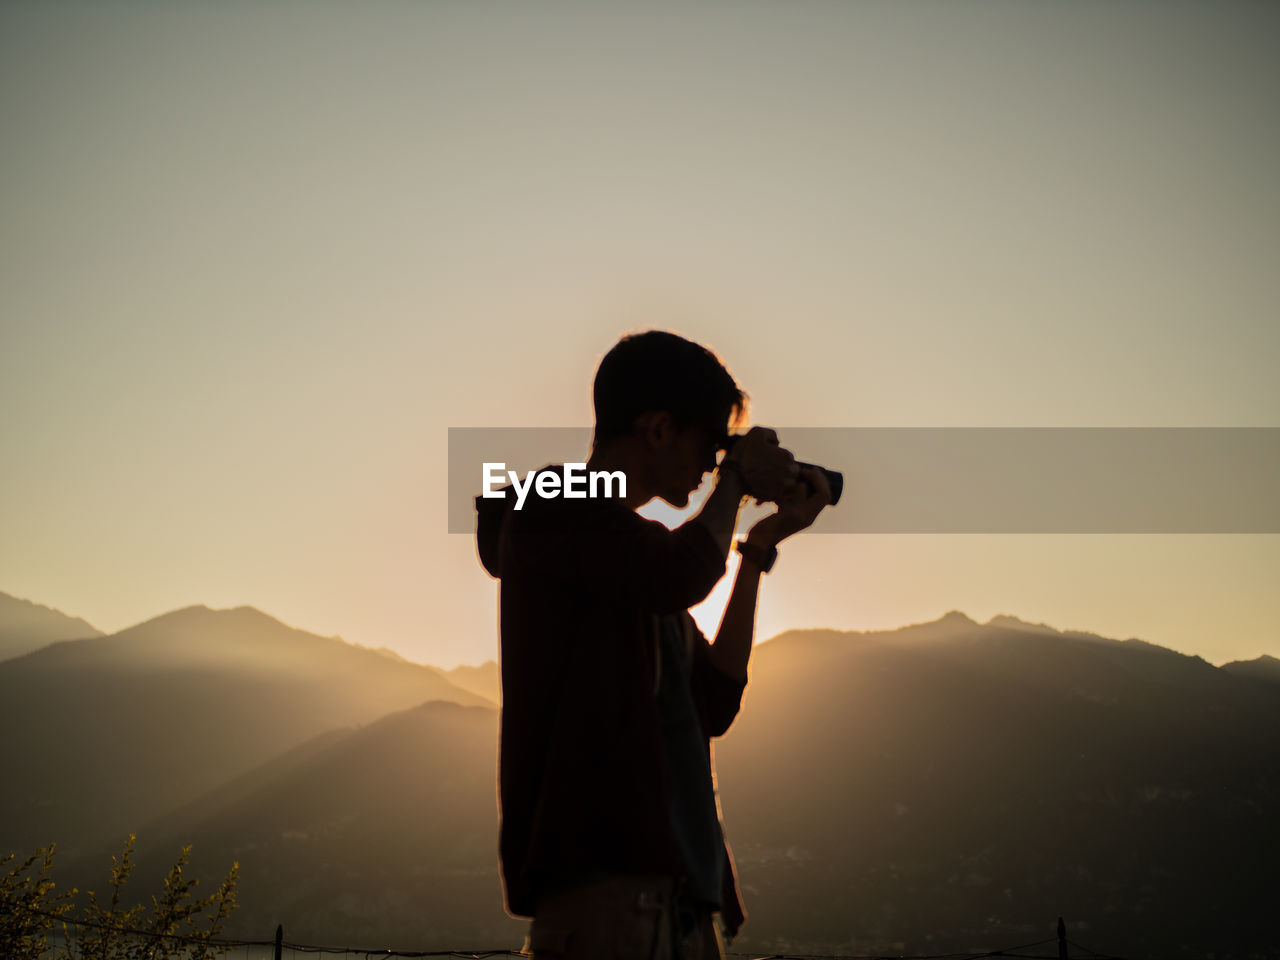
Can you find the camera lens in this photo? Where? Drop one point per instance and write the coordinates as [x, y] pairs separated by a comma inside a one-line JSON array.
[[835, 479]]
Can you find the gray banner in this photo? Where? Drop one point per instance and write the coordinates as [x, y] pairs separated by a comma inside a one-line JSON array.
[[977, 479]]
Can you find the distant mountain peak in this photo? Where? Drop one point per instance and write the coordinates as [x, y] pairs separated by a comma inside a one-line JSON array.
[[951, 619], [26, 626], [1264, 667], [201, 614], [949, 622], [1010, 622], [1006, 621], [9, 601]]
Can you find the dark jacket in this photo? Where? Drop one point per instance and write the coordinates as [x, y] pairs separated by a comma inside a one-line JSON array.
[[583, 779]]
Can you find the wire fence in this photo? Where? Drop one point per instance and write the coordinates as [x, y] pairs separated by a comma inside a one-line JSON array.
[[278, 947]]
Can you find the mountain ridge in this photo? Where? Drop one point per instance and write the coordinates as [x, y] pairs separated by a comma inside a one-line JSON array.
[[934, 788], [26, 626], [163, 711], [950, 625], [1264, 667]]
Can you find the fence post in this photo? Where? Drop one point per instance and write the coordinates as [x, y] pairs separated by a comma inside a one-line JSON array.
[[1062, 940], [280, 940]]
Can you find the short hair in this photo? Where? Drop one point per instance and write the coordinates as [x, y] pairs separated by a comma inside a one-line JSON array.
[[661, 371]]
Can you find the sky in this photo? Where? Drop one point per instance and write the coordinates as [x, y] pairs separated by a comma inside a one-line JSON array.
[[255, 260]]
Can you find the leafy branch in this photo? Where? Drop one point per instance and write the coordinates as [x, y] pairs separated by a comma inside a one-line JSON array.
[[179, 925], [28, 905]]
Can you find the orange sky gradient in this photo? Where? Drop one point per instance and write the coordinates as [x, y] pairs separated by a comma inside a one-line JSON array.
[[256, 262]]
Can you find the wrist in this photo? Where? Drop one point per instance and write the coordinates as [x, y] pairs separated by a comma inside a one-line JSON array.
[[761, 556], [764, 533]]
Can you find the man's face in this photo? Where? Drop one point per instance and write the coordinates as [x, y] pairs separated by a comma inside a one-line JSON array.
[[690, 456]]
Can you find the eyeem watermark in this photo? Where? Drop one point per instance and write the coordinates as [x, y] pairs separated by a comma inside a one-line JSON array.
[[967, 480], [578, 483]]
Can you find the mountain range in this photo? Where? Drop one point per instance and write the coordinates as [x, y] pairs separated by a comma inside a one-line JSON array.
[[119, 729], [957, 785], [945, 787], [27, 626]]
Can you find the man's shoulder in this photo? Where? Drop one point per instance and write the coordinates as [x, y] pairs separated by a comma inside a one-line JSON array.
[[558, 529], [569, 498]]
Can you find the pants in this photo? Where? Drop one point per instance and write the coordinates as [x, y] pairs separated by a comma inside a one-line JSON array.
[[624, 918]]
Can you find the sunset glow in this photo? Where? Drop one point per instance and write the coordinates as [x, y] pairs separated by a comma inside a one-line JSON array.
[[257, 261]]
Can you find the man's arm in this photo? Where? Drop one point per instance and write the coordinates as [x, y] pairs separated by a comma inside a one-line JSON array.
[[732, 647], [617, 553], [719, 512], [731, 650]]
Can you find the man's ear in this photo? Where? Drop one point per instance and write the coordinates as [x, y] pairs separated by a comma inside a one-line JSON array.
[[656, 428]]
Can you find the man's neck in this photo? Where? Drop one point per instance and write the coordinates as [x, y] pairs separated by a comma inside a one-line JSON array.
[[620, 456]]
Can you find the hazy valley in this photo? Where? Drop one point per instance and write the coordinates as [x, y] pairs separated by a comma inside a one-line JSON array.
[[946, 786]]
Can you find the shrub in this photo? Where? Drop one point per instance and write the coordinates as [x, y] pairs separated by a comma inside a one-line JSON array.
[[178, 926], [28, 906]]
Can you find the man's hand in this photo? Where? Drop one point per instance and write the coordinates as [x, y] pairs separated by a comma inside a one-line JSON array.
[[796, 510], [768, 470]]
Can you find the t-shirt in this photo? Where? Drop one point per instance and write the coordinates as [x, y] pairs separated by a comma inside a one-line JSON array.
[[585, 778], [694, 818]]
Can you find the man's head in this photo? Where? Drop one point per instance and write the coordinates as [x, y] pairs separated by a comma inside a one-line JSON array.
[[671, 402]]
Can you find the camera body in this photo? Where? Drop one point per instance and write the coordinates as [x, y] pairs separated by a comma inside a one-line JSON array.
[[835, 479]]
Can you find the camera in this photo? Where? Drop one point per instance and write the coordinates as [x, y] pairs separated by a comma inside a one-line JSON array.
[[835, 479]]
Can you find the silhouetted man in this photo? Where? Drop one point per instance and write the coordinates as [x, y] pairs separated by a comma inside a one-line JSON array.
[[611, 838]]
